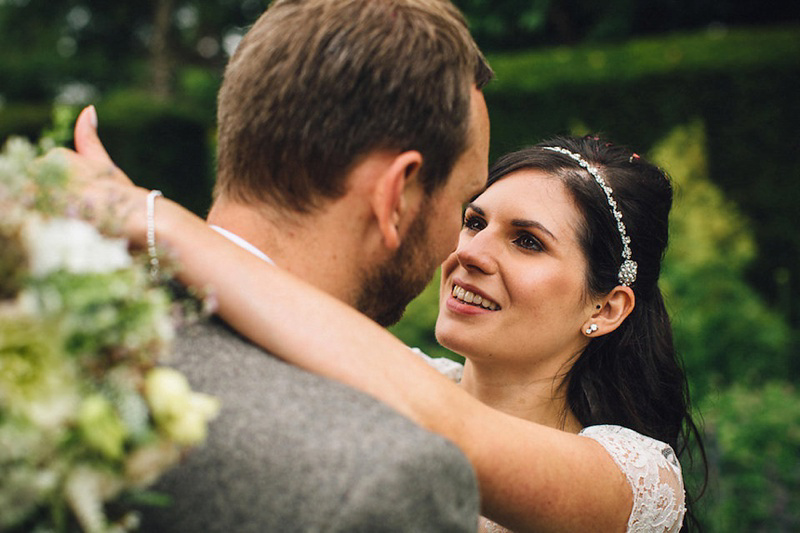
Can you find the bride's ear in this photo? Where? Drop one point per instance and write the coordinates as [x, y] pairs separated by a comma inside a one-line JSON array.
[[395, 196], [610, 311]]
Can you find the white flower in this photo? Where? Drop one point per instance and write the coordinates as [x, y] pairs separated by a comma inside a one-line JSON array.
[[52, 410], [181, 413], [86, 488], [190, 427], [18, 155], [72, 245]]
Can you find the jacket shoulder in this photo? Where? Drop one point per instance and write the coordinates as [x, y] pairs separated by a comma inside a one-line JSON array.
[[293, 451]]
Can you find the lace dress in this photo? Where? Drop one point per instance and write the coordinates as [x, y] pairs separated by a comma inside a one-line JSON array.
[[651, 467]]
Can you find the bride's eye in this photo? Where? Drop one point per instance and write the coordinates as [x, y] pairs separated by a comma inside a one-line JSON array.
[[474, 223], [528, 242]]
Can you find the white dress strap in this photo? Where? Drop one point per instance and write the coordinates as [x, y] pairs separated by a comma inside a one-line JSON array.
[[654, 474]]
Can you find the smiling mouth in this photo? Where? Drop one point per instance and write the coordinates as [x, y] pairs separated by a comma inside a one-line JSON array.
[[470, 298]]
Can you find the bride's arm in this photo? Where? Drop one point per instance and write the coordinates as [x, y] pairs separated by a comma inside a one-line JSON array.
[[531, 477]]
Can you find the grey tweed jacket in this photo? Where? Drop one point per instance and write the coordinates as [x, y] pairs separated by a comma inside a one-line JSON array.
[[291, 451]]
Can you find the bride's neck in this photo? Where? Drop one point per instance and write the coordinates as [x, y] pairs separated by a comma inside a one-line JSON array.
[[537, 399]]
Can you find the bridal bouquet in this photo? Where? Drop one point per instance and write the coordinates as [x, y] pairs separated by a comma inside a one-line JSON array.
[[86, 416]]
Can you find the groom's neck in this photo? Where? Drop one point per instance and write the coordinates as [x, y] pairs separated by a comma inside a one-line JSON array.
[[315, 247]]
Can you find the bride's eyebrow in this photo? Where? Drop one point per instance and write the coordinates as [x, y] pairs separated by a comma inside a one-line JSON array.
[[527, 224], [517, 222]]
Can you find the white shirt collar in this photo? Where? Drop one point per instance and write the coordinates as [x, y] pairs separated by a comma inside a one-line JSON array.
[[243, 243]]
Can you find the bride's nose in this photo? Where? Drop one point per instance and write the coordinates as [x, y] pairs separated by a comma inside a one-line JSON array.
[[478, 252]]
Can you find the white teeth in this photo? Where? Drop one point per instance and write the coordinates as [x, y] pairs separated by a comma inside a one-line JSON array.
[[471, 298]]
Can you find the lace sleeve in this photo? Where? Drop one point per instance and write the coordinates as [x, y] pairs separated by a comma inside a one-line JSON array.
[[450, 369], [654, 473]]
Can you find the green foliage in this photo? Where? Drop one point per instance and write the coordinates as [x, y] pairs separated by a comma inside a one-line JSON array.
[[506, 21], [198, 88], [24, 120], [700, 52], [163, 145], [111, 45], [723, 329], [60, 132], [753, 443], [510, 24], [736, 351]]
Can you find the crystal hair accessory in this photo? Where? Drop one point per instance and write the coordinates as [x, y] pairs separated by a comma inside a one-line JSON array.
[[629, 267]]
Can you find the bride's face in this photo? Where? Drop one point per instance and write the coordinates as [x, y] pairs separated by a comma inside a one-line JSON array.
[[520, 264]]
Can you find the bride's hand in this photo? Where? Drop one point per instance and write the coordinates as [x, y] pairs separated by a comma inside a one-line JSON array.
[[103, 194]]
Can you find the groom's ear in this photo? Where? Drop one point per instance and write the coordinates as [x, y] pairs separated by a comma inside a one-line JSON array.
[[397, 196]]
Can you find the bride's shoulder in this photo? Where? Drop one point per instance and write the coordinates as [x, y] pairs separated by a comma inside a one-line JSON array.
[[628, 446], [652, 470], [626, 437]]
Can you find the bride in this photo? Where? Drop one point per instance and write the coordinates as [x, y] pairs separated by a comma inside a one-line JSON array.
[[571, 404]]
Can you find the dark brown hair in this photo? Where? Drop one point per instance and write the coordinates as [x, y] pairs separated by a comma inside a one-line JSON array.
[[317, 84]]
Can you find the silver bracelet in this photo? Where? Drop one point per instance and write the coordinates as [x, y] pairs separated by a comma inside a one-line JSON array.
[[151, 232]]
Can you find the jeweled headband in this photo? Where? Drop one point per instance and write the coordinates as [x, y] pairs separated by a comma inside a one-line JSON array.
[[627, 271]]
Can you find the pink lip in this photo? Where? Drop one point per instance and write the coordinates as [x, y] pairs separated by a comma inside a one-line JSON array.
[[457, 306]]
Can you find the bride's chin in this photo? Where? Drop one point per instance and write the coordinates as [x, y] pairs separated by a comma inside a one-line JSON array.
[[449, 338]]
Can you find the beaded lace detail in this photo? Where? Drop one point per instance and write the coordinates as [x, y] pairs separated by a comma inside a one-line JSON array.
[[654, 474], [490, 527]]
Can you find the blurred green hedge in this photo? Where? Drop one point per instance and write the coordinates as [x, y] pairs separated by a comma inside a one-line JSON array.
[[161, 145], [753, 442]]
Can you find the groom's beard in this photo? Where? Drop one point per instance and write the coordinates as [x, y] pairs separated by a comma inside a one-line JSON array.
[[389, 287]]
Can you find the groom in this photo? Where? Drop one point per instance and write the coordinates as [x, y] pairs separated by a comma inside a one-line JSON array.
[[350, 134]]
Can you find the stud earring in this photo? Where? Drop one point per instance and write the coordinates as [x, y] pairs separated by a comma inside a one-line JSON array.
[[591, 329]]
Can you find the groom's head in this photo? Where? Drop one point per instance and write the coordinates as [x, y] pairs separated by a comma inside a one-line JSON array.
[[318, 87]]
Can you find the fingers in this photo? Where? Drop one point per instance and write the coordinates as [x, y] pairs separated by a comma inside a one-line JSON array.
[[87, 143], [96, 189], [89, 147]]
